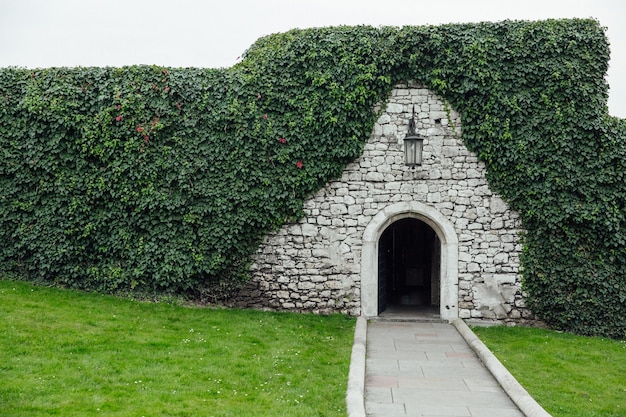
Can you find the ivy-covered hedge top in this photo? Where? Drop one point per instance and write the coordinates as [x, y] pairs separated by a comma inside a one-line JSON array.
[[166, 179]]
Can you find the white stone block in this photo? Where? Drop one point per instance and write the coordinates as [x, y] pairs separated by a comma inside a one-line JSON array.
[[306, 285], [354, 210], [309, 230], [434, 174], [497, 224], [374, 177], [395, 108], [333, 285], [337, 209], [480, 258], [389, 130], [384, 119], [472, 173], [473, 267], [505, 279], [498, 205], [501, 258]]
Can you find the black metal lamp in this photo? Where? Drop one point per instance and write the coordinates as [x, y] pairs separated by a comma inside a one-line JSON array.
[[413, 144]]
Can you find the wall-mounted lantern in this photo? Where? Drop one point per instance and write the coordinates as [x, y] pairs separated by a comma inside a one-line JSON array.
[[413, 144]]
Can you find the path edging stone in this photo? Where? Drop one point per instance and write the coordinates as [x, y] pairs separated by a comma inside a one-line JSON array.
[[527, 404], [355, 396]]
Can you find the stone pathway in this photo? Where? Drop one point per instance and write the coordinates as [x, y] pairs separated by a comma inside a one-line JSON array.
[[427, 369]]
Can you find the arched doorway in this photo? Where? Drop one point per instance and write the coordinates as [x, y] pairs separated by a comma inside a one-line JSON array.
[[409, 253], [448, 255]]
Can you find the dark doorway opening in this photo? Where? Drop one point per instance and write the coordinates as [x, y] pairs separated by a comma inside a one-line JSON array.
[[409, 253]]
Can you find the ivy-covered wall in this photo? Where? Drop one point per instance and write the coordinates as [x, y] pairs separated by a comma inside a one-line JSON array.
[[164, 179], [341, 256]]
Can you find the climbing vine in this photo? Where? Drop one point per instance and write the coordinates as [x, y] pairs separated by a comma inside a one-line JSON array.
[[147, 178]]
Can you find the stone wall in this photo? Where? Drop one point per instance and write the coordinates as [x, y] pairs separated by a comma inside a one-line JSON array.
[[315, 264]]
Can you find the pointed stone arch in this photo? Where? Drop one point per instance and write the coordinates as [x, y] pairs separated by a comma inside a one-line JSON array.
[[449, 292]]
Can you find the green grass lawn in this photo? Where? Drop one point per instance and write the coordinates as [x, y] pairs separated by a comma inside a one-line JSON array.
[[68, 353], [569, 375]]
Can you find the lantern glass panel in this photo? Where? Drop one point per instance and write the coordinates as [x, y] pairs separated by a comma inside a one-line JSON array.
[[418, 151], [413, 150], [409, 152]]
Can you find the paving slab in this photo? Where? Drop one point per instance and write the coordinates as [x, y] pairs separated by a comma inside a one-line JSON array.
[[427, 370]]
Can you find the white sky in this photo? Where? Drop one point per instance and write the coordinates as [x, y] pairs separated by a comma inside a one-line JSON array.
[[206, 33]]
